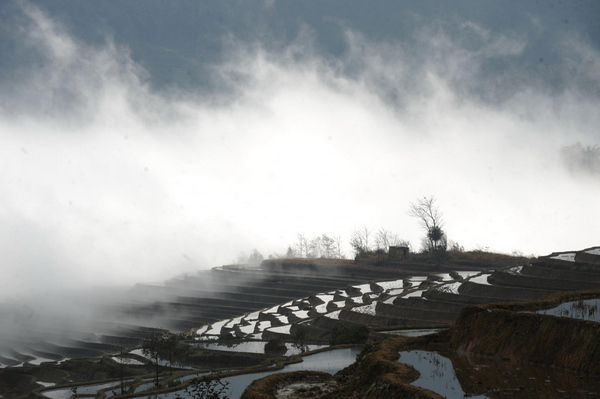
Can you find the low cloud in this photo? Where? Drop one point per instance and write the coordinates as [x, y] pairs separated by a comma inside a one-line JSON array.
[[109, 182]]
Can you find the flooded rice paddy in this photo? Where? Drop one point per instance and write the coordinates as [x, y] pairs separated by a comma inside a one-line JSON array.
[[436, 373], [256, 347], [584, 310], [471, 377], [66, 393], [413, 332], [360, 298], [329, 362], [161, 361]]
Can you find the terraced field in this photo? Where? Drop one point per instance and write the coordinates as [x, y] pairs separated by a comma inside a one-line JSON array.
[[427, 300], [280, 297]]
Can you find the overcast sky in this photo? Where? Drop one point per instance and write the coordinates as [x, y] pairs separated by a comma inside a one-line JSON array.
[[117, 169]]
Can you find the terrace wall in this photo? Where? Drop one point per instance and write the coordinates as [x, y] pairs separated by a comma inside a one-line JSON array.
[[504, 332], [550, 284]]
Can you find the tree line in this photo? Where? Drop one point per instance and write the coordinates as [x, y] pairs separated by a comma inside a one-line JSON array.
[[363, 241]]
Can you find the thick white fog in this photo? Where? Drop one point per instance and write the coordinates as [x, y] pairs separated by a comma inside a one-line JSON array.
[[107, 181]]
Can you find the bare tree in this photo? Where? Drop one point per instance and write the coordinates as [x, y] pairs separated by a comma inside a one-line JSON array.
[[170, 342], [360, 241], [302, 246], [338, 252], [430, 218], [291, 252], [385, 239], [314, 248], [454, 246], [382, 239], [327, 247], [255, 257], [322, 246], [404, 243], [122, 359], [151, 348]]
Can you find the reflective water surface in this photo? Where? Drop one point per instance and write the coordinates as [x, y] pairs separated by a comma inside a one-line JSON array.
[[464, 376], [256, 347], [436, 373], [412, 332], [584, 310], [329, 362]]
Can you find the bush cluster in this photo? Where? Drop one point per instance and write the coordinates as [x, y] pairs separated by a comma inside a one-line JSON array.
[[349, 334]]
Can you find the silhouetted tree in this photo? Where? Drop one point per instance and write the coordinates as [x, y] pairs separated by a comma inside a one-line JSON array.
[[385, 239], [338, 253], [275, 346], [169, 342], [151, 348], [302, 246], [430, 218], [454, 246], [122, 357], [360, 241], [322, 246], [255, 258], [327, 247], [349, 334], [314, 248], [299, 337], [291, 252]]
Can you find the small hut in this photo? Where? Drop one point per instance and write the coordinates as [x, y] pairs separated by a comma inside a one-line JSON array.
[[398, 253]]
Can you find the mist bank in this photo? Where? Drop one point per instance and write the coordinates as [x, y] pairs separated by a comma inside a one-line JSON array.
[[108, 180]]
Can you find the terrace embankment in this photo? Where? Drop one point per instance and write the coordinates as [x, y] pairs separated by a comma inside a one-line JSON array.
[[496, 350], [426, 291], [378, 374], [513, 332], [313, 383], [290, 298], [369, 267]]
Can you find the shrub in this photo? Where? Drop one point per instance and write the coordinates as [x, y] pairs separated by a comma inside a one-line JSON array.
[[275, 346], [174, 383], [349, 334]]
